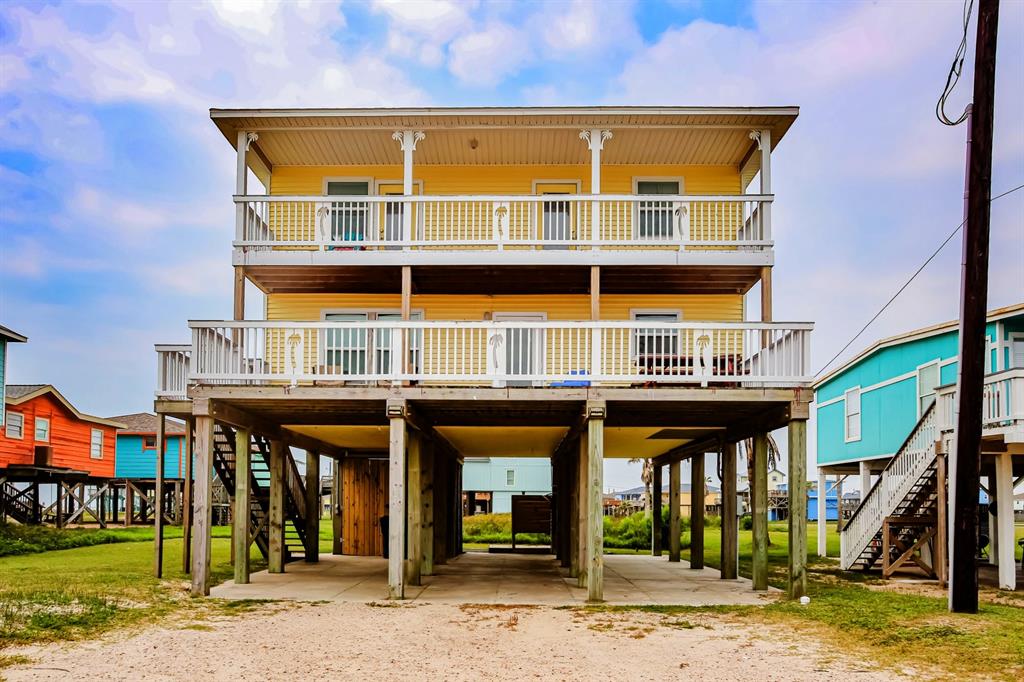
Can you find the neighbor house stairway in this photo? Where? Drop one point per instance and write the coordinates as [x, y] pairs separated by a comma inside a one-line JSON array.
[[15, 505], [904, 499], [259, 482]]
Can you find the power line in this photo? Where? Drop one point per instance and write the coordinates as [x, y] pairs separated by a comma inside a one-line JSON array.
[[907, 283], [954, 73]]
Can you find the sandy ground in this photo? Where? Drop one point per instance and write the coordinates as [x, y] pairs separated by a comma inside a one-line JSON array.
[[448, 642]]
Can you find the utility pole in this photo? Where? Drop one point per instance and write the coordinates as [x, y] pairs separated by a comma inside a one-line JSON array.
[[963, 583]]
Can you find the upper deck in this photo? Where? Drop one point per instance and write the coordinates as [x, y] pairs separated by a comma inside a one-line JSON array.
[[548, 187]]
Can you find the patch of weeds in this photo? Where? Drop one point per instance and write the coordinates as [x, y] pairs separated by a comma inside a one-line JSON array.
[[603, 626], [54, 615], [198, 626], [512, 621], [13, 659], [681, 624], [384, 604]]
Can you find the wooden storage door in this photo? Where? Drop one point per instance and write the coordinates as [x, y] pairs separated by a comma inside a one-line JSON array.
[[364, 499]]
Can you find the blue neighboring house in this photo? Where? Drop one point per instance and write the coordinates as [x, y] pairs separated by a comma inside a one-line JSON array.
[[136, 447], [6, 336], [488, 483], [866, 409]]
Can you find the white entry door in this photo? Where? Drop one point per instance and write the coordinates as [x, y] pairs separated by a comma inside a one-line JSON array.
[[516, 351]]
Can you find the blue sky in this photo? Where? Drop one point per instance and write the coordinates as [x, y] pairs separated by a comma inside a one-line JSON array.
[[115, 211]]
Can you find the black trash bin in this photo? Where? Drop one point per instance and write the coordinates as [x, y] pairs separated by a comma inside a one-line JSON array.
[[384, 534]]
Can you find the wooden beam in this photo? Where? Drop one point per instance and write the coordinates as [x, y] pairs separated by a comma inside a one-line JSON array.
[[202, 508], [158, 493], [674, 529], [656, 487], [730, 519], [186, 496], [572, 490], [414, 509], [582, 508], [595, 292], [595, 502], [239, 418], [941, 552], [1005, 540], [337, 500], [766, 293], [243, 504], [275, 520], [239, 293], [396, 501], [427, 450], [697, 511], [312, 506], [759, 488], [797, 578]]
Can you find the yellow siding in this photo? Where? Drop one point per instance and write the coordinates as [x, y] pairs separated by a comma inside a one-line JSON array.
[[717, 307], [441, 180]]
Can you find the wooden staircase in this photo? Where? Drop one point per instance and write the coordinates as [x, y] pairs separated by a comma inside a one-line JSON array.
[[14, 505], [899, 513], [259, 482]]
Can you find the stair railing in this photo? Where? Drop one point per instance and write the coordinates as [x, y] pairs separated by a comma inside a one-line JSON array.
[[901, 473]]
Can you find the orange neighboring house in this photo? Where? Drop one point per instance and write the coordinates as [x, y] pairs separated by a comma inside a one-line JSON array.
[[43, 430]]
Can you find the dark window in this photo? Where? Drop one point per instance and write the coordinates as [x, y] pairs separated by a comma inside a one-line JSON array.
[[656, 218]]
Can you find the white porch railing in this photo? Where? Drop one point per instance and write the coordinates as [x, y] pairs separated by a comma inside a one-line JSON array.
[[892, 486], [549, 354], [498, 222], [1002, 401], [173, 363]]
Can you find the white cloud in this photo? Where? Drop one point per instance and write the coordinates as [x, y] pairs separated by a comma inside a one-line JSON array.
[[488, 56]]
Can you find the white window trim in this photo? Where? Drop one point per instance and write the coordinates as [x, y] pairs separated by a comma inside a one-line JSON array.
[[21, 425], [937, 363], [637, 179], [846, 415], [633, 312], [525, 316], [371, 185], [536, 187], [92, 435], [1013, 336], [513, 483], [35, 429]]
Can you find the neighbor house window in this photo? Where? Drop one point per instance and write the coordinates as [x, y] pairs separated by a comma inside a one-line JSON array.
[[510, 477], [96, 444], [149, 442], [43, 429], [927, 380], [15, 425], [852, 399]]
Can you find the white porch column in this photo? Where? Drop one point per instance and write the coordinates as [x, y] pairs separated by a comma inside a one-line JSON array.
[[822, 512], [1004, 521], [595, 140], [407, 139], [242, 143], [396, 500], [764, 143], [865, 481]]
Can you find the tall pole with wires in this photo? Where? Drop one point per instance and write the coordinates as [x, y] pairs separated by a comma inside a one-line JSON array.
[[963, 582]]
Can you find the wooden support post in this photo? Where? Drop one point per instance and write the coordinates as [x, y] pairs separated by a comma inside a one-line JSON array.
[[186, 498], [275, 520], [595, 502], [337, 505], [414, 509], [573, 491], [1006, 543], [697, 511], [396, 500], [442, 507], [674, 526], [60, 505], [202, 514], [129, 504], [427, 455], [941, 551], [797, 578], [239, 297], [312, 506], [656, 510], [822, 503], [243, 504], [759, 488], [158, 497], [582, 509], [730, 518]]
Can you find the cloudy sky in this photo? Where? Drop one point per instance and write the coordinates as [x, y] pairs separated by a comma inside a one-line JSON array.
[[115, 210]]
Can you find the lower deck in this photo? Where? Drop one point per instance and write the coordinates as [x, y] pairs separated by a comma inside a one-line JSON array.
[[483, 578]]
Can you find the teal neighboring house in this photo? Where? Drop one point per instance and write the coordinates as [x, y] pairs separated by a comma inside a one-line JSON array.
[[6, 336], [136, 447], [488, 483], [867, 407]]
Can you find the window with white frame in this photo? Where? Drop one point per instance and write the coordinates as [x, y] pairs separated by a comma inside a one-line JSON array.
[[852, 428], [653, 346], [15, 425], [1016, 351], [96, 444], [510, 477], [927, 380], [43, 429]]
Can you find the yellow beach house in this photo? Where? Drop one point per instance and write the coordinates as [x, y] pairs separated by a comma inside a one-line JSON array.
[[571, 283]]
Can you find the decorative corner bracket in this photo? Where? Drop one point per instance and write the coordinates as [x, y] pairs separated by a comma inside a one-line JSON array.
[[595, 141], [408, 138], [249, 139], [755, 135]]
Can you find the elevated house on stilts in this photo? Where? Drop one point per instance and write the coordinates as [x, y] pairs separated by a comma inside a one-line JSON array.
[[438, 284]]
